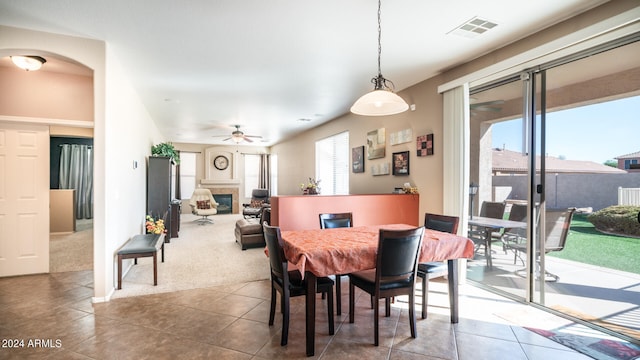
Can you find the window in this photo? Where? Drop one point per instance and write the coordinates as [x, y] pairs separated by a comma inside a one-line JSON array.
[[251, 173], [628, 162], [332, 164], [187, 174]]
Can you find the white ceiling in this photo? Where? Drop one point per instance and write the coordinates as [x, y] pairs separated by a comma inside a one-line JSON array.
[[201, 66]]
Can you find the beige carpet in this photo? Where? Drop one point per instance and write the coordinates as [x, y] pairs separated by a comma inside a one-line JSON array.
[[72, 252], [202, 256]]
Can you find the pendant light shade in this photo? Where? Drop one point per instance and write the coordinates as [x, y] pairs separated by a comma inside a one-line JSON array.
[[382, 100], [28, 63], [379, 102]]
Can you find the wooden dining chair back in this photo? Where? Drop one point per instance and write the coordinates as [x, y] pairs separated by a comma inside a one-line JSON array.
[[335, 220], [332, 221], [394, 274], [443, 223], [430, 270], [289, 283]]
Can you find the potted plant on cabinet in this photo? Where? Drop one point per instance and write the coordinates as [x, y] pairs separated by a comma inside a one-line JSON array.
[[166, 149]]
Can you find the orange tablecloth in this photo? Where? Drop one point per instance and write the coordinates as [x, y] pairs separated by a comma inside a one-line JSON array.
[[345, 250]]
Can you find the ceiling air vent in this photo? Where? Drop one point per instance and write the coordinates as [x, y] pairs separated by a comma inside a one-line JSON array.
[[473, 27]]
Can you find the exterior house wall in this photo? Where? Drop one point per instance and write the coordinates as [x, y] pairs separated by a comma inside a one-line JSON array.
[[596, 191], [635, 167]]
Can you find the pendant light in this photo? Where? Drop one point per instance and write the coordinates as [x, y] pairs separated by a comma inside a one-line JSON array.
[[28, 62], [382, 100]]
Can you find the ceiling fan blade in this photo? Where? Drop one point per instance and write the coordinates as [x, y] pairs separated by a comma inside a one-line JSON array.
[[246, 138], [487, 108], [480, 104], [253, 136], [227, 139]]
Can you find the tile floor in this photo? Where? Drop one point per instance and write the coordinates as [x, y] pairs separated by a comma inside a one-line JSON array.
[[53, 316]]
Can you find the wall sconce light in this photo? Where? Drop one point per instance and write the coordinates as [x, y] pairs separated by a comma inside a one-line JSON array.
[[473, 190], [28, 62]]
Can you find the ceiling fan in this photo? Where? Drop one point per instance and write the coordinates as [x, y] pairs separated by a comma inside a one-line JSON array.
[[238, 136], [486, 106]]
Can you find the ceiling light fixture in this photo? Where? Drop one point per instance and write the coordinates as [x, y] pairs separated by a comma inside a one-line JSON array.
[[28, 62], [382, 100]]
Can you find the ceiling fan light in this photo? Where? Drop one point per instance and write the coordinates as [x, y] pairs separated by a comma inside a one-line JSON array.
[[237, 139], [379, 103], [28, 62]]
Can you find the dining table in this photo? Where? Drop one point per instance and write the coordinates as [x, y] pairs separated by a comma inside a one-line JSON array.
[[490, 225], [323, 252]]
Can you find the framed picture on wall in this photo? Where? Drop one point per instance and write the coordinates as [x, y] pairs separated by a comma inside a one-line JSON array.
[[376, 144], [425, 145], [357, 159], [400, 162]]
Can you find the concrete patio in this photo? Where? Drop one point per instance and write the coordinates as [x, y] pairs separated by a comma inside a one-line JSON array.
[[603, 296]]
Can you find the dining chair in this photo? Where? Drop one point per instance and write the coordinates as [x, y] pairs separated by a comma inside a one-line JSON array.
[[289, 283], [331, 221], [394, 274], [434, 269]]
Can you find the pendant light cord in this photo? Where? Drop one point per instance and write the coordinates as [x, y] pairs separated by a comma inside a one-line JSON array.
[[379, 38], [380, 83]]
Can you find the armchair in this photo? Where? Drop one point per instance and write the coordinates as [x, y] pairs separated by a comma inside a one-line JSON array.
[[203, 204], [259, 199]]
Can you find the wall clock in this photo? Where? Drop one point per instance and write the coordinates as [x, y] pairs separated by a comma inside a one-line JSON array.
[[221, 162]]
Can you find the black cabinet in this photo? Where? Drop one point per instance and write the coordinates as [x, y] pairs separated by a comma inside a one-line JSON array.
[[176, 209], [159, 192]]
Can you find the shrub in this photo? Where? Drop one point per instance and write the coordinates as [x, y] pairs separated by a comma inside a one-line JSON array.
[[617, 219]]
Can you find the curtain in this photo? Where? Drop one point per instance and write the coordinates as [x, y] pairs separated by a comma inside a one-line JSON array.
[[178, 193], [76, 172], [455, 153], [264, 175]]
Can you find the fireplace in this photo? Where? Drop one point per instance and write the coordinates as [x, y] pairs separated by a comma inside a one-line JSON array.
[[231, 191], [225, 203]]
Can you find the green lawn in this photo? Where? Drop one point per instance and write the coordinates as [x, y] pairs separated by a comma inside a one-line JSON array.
[[585, 244]]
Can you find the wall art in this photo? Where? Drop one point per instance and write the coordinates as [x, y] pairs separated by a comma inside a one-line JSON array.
[[400, 161], [357, 159], [376, 144], [400, 137], [425, 145]]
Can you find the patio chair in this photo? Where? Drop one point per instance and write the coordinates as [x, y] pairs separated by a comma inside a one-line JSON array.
[[518, 212], [478, 234], [557, 225]]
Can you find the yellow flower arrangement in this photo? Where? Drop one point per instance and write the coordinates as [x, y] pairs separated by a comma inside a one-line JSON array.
[[154, 226], [311, 187]]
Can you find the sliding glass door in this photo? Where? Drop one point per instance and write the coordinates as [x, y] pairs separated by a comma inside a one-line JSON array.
[[556, 139]]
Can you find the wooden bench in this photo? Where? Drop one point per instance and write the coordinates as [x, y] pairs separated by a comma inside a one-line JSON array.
[[141, 246]]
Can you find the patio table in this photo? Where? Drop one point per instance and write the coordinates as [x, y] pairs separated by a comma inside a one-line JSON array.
[[490, 225]]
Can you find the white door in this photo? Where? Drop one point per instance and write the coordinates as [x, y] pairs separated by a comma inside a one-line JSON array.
[[24, 199]]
